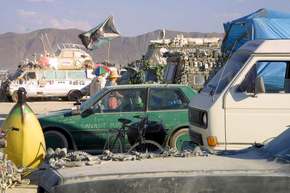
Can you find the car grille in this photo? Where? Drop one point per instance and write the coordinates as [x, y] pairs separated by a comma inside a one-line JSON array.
[[195, 137], [195, 117]]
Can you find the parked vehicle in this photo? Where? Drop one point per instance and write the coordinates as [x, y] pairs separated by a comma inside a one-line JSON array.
[[49, 83], [87, 128], [247, 101]]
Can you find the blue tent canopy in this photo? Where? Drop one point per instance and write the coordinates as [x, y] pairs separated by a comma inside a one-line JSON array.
[[262, 24]]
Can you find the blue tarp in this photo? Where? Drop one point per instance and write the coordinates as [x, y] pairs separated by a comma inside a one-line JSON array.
[[262, 24]]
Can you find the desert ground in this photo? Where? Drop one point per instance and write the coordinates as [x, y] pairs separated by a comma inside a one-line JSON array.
[[23, 189]]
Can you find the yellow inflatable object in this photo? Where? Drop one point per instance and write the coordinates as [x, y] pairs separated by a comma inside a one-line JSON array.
[[25, 139]]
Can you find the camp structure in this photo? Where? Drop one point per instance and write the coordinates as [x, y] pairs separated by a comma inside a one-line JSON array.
[[260, 25]]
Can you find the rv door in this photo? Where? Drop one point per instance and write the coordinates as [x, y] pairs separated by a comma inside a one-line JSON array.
[[255, 115]]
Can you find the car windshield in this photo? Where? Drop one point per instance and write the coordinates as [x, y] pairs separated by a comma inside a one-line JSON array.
[[224, 76], [92, 100]]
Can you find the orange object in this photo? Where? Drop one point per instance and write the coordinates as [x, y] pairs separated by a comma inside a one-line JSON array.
[[43, 61], [114, 74], [212, 141]]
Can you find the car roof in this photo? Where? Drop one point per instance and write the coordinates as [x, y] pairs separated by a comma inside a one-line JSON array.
[[145, 86]]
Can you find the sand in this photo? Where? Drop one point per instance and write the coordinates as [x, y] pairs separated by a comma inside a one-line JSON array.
[[23, 189]]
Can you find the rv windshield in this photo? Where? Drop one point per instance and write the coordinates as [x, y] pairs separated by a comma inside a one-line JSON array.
[[224, 76]]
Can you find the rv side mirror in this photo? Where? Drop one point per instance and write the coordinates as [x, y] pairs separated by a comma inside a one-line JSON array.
[[259, 85]]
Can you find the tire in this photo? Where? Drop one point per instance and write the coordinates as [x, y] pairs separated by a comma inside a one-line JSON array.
[[147, 146], [41, 190], [55, 139], [63, 98], [114, 148], [74, 95], [181, 140]]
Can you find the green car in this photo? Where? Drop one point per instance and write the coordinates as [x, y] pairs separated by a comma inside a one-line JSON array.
[[87, 127]]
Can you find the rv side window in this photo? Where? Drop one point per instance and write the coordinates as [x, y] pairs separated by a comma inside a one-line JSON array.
[[48, 75], [60, 75], [274, 75], [76, 75]]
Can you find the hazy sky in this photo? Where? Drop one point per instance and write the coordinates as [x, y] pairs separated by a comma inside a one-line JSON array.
[[132, 17]]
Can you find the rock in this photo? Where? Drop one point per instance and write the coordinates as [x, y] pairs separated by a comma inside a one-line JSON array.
[[49, 153], [61, 159]]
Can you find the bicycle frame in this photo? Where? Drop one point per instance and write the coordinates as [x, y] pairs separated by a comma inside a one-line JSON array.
[[121, 133]]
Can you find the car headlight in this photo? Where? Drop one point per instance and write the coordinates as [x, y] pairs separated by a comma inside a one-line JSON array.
[[204, 119]]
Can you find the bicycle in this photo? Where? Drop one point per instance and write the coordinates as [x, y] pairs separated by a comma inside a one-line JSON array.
[[115, 143], [141, 144]]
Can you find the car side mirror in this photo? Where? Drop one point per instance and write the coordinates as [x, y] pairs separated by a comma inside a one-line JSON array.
[[75, 112], [259, 85], [87, 112]]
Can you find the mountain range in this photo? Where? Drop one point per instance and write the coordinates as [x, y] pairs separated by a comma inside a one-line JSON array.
[[15, 47]]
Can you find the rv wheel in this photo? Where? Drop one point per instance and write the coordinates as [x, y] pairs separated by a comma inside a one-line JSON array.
[[74, 95]]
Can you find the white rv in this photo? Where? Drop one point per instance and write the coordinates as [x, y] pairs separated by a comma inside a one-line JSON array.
[[50, 83], [247, 101]]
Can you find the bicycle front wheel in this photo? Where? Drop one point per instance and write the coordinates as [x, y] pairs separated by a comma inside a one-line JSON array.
[[114, 145], [147, 146]]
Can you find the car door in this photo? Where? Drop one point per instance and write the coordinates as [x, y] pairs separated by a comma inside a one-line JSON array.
[[258, 117], [119, 103], [169, 106]]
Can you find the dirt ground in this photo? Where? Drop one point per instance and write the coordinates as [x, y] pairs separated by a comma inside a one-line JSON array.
[[23, 189], [38, 108]]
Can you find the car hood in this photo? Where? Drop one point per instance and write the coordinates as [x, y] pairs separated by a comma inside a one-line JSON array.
[[62, 112]]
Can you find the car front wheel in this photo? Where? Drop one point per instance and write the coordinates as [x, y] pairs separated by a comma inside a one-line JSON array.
[[181, 140], [55, 139], [74, 95]]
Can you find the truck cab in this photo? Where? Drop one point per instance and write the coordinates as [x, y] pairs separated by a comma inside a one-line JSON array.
[[50, 83], [247, 101]]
